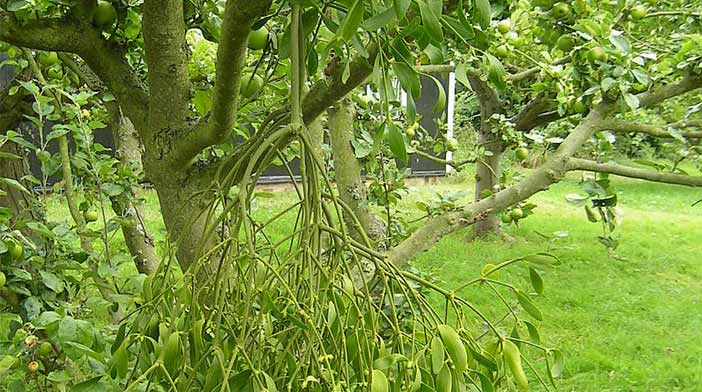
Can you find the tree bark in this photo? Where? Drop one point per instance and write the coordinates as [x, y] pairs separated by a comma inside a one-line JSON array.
[[140, 244], [347, 174], [634, 172], [488, 169]]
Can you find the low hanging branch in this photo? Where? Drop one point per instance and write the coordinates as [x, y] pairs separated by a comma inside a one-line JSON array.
[[633, 172], [653, 130]]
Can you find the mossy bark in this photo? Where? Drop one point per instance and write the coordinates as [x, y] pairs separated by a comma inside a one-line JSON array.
[[141, 245], [488, 169], [347, 174]]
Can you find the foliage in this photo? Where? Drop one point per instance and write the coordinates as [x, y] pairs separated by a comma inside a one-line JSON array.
[[314, 309]]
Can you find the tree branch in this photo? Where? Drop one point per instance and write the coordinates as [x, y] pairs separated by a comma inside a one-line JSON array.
[[528, 73], [540, 179], [78, 36], [330, 90], [653, 130], [633, 172], [536, 113], [487, 97], [321, 96], [231, 55], [651, 98], [166, 56], [674, 13]]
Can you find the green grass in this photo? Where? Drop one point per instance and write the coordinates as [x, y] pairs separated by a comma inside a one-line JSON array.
[[626, 324], [631, 323]]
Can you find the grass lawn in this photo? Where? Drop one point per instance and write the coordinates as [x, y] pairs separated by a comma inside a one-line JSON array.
[[631, 323], [628, 324]]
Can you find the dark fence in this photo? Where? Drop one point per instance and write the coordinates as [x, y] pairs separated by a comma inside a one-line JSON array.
[[420, 167]]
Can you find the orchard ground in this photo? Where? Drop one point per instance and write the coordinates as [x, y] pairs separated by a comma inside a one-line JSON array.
[[632, 322]]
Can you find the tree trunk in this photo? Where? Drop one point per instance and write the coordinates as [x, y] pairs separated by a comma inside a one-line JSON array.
[[140, 244], [488, 170], [487, 175], [347, 174], [13, 166], [184, 198]]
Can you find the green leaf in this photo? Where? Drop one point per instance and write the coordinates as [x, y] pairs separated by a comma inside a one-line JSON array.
[[132, 26], [352, 21], [17, 5], [50, 280], [388, 361], [379, 21], [485, 383], [441, 98], [641, 76], [77, 331], [60, 376], [202, 101], [32, 306], [171, 353], [482, 359], [409, 79], [529, 306], [430, 21], [434, 54], [379, 382], [43, 109], [621, 43], [87, 386], [393, 136], [462, 75], [411, 110], [401, 7], [7, 362], [20, 274], [462, 31], [496, 71], [112, 190], [533, 332], [121, 360], [8, 155], [437, 354], [631, 101], [40, 228], [483, 13], [12, 183], [313, 61], [444, 380], [8, 321], [558, 363], [536, 282]]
